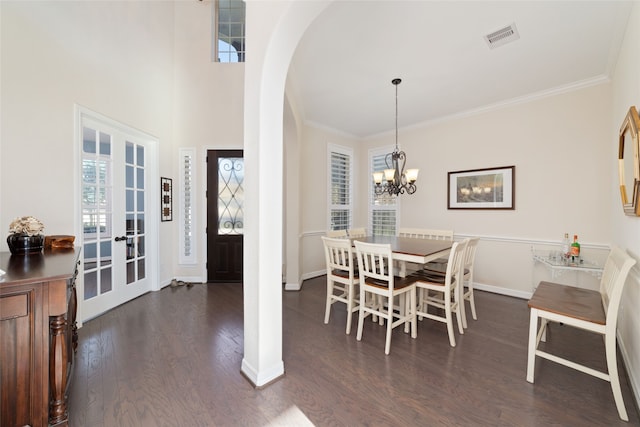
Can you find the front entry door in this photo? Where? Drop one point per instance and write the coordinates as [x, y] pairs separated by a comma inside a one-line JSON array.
[[225, 215], [115, 220]]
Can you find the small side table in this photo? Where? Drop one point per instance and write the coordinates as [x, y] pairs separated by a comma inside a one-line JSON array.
[[558, 265]]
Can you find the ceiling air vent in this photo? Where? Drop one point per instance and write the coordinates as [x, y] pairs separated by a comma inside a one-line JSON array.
[[502, 36]]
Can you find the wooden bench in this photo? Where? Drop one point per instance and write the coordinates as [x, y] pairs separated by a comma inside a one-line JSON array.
[[594, 311]]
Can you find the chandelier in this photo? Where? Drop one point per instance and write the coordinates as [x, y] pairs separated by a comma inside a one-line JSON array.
[[396, 179]]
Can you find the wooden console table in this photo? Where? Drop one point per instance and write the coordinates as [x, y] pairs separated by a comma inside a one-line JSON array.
[[38, 336]]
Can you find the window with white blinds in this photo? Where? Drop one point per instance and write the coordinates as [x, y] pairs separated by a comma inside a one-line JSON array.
[[340, 191], [383, 209], [186, 211]]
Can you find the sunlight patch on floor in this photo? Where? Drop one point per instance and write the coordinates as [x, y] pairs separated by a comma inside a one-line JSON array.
[[291, 417]]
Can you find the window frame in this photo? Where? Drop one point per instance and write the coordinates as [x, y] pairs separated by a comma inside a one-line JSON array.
[[215, 50], [348, 153], [394, 207]]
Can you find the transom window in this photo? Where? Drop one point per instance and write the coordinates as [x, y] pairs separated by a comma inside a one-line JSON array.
[[229, 30]]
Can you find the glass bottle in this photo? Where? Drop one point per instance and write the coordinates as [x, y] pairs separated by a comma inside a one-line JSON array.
[[575, 248], [566, 247]]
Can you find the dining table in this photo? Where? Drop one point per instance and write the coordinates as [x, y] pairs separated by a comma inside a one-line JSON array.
[[411, 249]]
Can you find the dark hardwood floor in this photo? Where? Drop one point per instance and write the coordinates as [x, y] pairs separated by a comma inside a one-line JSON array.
[[172, 358]]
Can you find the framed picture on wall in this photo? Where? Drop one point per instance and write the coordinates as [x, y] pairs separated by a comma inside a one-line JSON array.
[[491, 188], [166, 198]]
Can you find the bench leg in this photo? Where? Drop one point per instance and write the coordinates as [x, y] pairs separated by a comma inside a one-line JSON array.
[[612, 367], [533, 343]]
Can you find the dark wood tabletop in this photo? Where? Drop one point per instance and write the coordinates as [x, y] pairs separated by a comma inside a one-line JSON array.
[[51, 263], [410, 245]]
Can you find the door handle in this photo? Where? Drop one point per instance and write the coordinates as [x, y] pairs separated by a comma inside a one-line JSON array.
[[119, 239]]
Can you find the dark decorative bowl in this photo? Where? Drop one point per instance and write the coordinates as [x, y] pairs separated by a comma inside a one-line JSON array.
[[23, 244]]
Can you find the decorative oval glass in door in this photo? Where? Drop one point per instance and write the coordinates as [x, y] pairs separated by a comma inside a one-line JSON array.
[[230, 195]]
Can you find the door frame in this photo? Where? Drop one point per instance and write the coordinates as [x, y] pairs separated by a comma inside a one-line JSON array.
[[153, 181]]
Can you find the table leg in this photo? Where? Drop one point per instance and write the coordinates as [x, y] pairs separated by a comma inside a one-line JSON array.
[[403, 268]]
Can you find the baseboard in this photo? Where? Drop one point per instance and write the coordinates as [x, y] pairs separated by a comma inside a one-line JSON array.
[[292, 286], [313, 274], [261, 378], [191, 279], [502, 291]]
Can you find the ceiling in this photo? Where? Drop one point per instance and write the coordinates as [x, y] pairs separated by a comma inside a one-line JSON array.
[[341, 72]]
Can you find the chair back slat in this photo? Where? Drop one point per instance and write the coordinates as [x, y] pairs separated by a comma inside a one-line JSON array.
[[455, 269], [424, 233], [357, 232], [614, 275], [337, 233], [470, 254]]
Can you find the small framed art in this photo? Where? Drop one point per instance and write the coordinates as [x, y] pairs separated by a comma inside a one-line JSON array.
[[166, 199]]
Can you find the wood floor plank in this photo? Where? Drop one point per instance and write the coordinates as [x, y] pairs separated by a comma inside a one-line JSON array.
[[172, 358]]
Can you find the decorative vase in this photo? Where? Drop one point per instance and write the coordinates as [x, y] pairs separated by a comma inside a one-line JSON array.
[[23, 244]]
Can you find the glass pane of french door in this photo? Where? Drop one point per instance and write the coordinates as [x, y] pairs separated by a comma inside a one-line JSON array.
[[97, 188], [135, 225]]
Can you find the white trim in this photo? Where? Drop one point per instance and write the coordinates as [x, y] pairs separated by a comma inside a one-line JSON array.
[[312, 274], [264, 376], [292, 286], [494, 238]]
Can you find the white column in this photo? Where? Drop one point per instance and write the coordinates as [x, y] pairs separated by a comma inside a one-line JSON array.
[[273, 31]]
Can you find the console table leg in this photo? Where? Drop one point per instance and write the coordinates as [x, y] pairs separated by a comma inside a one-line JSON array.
[[58, 371]]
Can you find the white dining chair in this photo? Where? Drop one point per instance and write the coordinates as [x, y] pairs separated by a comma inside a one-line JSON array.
[[427, 233], [342, 277], [468, 263], [442, 291], [377, 280], [589, 310], [337, 233]]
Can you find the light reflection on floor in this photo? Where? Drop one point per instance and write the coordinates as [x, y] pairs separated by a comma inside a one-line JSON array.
[[293, 417]]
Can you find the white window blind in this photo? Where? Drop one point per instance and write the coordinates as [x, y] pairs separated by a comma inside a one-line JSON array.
[[340, 188], [383, 209], [187, 208]]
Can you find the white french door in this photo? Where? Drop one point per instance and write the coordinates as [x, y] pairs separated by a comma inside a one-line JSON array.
[[118, 225]]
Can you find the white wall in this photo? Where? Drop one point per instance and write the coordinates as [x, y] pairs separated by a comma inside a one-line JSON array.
[[115, 58], [55, 54], [313, 199], [146, 64], [207, 113], [626, 229]]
